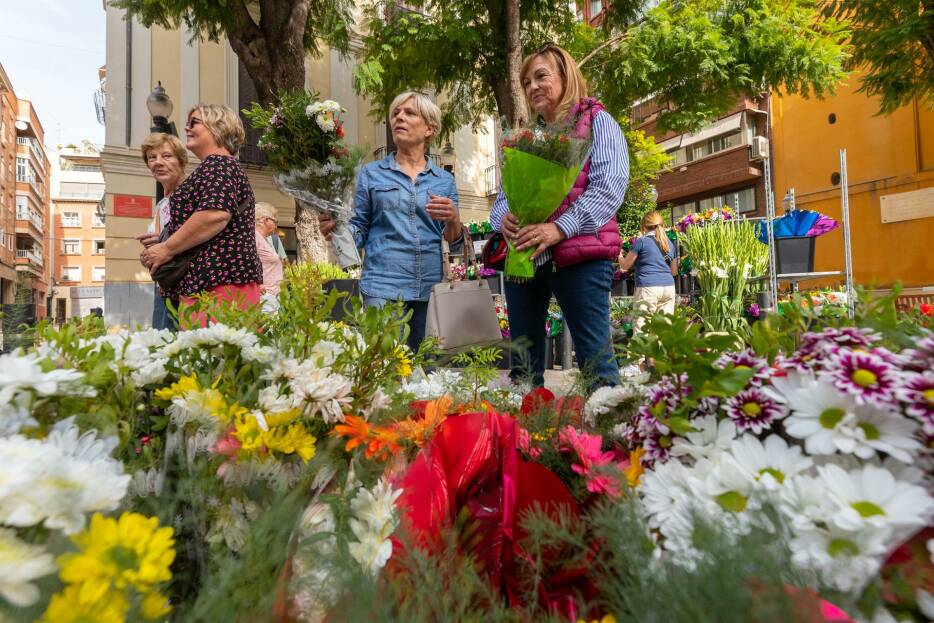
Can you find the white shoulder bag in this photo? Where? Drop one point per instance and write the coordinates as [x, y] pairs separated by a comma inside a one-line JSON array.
[[461, 314]]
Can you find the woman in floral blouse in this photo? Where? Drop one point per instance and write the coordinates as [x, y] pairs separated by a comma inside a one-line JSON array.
[[213, 210]]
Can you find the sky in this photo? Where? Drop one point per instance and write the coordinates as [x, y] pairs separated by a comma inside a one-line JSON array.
[[51, 50]]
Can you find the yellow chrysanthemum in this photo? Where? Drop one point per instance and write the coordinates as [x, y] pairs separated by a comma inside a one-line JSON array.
[[116, 553], [155, 605], [178, 388], [293, 439], [403, 361], [67, 607], [609, 618], [281, 436]]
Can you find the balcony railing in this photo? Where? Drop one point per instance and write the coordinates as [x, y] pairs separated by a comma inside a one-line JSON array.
[[30, 255], [34, 145], [491, 177], [32, 217]]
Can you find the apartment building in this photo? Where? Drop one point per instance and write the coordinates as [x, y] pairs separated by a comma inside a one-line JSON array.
[[719, 165], [79, 232], [9, 111], [192, 72]]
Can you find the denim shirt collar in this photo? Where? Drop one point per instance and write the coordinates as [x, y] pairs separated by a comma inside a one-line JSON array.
[[389, 162]]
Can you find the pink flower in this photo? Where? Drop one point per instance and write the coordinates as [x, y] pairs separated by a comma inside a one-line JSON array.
[[592, 457], [228, 445], [524, 442]]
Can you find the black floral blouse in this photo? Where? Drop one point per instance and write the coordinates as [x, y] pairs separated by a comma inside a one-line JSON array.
[[230, 257]]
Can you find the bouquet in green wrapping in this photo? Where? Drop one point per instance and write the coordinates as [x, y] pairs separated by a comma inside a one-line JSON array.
[[539, 168]]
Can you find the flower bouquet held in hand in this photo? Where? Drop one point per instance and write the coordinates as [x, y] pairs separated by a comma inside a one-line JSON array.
[[539, 168], [303, 139]]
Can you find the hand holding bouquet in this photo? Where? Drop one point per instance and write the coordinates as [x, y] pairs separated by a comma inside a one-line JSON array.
[[539, 168], [303, 139]]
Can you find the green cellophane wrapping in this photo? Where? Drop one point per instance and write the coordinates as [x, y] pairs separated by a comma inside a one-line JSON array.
[[534, 188]]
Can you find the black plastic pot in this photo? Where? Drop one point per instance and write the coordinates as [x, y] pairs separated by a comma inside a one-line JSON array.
[[794, 254], [351, 290], [619, 288]]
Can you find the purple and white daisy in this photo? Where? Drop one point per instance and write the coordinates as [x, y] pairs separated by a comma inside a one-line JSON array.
[[917, 395], [753, 410], [663, 398], [658, 447], [922, 356], [864, 375], [746, 360], [817, 348]]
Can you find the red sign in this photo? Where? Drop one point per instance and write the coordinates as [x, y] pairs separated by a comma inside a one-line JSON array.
[[137, 206]]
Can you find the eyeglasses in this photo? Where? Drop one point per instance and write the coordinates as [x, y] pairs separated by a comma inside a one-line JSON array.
[[193, 122]]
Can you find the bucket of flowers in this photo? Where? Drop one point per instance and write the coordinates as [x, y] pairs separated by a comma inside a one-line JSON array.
[[303, 139], [725, 257]]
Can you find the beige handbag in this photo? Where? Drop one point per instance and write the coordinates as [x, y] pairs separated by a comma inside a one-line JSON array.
[[461, 314]]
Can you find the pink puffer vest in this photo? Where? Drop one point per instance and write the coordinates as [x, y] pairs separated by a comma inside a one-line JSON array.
[[606, 244]]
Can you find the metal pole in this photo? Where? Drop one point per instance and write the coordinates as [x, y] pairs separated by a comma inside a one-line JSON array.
[[847, 244], [769, 216]]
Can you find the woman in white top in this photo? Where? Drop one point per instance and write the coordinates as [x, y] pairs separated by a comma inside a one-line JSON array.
[[166, 158]]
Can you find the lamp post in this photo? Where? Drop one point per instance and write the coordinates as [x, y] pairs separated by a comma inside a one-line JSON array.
[[160, 109], [448, 158]]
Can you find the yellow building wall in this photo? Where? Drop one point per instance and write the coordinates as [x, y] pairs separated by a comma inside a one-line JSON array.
[[885, 155], [211, 72], [164, 66]]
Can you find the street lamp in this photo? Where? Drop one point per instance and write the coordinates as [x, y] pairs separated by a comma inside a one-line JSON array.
[[448, 157], [160, 109]]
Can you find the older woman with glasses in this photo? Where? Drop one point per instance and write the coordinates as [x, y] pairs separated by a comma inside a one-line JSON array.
[[166, 158], [576, 248], [405, 204], [212, 214], [267, 221]]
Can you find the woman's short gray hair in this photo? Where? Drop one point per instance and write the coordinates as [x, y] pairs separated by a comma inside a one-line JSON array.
[[223, 124], [426, 108], [266, 210]]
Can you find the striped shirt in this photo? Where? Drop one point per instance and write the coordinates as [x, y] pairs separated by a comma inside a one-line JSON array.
[[606, 186]]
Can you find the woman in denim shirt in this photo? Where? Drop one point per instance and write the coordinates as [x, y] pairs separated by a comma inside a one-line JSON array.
[[404, 204]]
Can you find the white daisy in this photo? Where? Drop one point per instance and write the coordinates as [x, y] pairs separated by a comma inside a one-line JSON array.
[[771, 463], [805, 502], [606, 399], [710, 437], [664, 489], [871, 497], [829, 422], [844, 560], [20, 564]]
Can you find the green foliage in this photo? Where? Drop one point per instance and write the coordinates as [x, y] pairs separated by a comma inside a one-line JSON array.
[[212, 19], [699, 55], [479, 366], [678, 349], [893, 42], [456, 48], [647, 161]]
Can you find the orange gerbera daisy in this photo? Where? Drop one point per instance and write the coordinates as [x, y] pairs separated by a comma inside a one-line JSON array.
[[419, 430], [355, 429]]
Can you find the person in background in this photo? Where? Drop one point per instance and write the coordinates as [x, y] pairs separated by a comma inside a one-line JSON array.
[[266, 224], [166, 158], [574, 252], [276, 243], [404, 205], [213, 210], [655, 259]]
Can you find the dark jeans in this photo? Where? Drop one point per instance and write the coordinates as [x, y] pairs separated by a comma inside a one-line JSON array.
[[583, 291], [416, 322], [162, 318]]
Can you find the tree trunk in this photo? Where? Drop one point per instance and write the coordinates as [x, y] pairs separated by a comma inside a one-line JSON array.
[[273, 53], [514, 64]]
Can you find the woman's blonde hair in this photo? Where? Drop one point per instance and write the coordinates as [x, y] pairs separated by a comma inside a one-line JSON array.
[[223, 124], [426, 108], [654, 220], [573, 83], [266, 210], [157, 140]]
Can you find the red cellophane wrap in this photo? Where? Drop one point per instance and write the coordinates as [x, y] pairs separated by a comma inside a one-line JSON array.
[[472, 471]]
